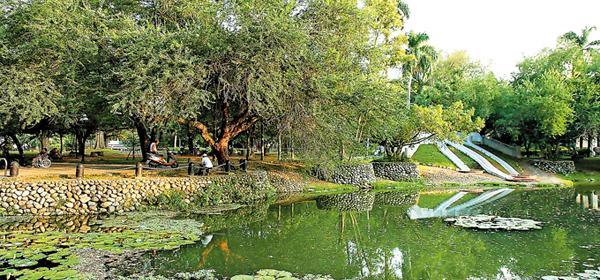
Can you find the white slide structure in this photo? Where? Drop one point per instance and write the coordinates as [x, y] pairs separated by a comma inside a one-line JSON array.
[[483, 162], [500, 161], [462, 167]]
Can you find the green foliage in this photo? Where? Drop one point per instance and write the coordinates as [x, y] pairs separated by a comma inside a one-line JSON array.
[[421, 123]]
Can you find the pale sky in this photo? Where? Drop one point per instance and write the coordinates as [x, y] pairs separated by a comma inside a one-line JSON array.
[[499, 33]]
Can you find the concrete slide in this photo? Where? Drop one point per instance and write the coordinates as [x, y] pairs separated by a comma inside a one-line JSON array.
[[483, 162], [500, 161], [462, 167]]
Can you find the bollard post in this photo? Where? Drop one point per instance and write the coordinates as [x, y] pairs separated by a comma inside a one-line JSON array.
[[139, 168], [227, 166], [79, 171], [191, 169], [14, 169], [243, 164]]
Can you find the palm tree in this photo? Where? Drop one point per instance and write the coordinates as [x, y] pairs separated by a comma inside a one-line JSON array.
[[403, 9], [423, 56], [582, 41]]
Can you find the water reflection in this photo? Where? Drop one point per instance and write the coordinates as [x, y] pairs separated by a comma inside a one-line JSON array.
[[588, 200], [470, 207]]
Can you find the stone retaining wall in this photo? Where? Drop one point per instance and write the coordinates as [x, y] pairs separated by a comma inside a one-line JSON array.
[[350, 174], [555, 166], [396, 171], [117, 196], [287, 183]]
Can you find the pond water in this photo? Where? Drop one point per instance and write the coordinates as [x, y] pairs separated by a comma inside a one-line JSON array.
[[364, 235], [370, 236]]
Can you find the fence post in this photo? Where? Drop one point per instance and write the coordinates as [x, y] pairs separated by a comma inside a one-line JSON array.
[[191, 169], [139, 170], [243, 164], [79, 171], [14, 169], [227, 166]]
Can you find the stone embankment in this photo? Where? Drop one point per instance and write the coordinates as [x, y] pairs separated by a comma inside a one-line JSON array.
[[396, 171], [364, 174], [555, 166], [117, 196], [346, 174]]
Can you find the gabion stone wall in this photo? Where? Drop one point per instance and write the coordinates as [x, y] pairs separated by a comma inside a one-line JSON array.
[[62, 197], [285, 183], [350, 174], [555, 166], [396, 171]]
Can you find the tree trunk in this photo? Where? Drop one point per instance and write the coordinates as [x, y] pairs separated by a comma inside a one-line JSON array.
[[19, 148], [279, 146], [408, 91], [230, 129], [221, 151], [61, 144], [262, 141], [44, 140], [190, 140], [143, 136], [248, 146], [100, 140]]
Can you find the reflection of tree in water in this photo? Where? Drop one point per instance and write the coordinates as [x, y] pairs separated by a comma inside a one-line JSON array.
[[217, 243], [587, 200], [233, 218]]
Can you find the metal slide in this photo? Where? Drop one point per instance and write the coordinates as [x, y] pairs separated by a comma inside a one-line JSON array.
[[483, 162], [462, 167], [504, 164]]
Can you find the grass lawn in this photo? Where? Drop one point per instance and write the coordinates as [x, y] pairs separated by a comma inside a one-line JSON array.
[[466, 159], [493, 162], [510, 160], [428, 154]]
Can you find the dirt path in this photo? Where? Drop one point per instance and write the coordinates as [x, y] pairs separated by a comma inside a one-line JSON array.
[[541, 176], [436, 175]]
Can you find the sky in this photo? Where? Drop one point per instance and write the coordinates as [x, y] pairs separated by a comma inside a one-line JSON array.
[[499, 33]]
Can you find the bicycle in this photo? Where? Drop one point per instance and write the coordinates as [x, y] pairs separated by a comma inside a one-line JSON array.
[[41, 161]]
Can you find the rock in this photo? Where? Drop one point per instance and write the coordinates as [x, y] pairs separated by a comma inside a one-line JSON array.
[[106, 204], [84, 199]]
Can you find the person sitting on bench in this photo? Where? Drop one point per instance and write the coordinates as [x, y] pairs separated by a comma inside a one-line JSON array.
[[206, 164]]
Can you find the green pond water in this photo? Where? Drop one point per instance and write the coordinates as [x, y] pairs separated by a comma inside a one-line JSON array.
[[372, 238], [365, 235]]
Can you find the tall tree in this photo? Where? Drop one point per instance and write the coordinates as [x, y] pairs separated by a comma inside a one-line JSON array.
[[419, 66]]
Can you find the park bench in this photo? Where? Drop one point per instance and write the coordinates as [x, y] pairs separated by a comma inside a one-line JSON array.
[[97, 154]]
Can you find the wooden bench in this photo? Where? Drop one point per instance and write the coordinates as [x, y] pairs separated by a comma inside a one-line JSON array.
[[97, 154]]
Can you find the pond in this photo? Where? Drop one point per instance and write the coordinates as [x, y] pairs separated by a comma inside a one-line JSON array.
[[369, 235]]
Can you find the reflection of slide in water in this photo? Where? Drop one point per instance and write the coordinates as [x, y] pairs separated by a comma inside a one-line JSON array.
[[416, 212], [588, 200], [462, 167]]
